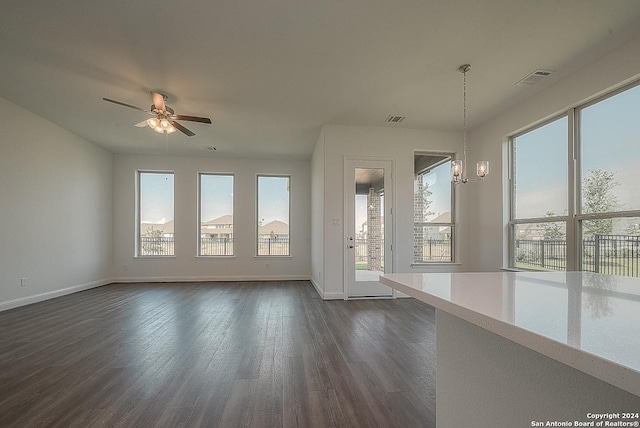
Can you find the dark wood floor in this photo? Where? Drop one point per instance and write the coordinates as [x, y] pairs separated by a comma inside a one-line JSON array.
[[266, 354]]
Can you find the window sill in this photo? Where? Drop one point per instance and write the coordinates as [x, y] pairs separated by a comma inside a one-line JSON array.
[[153, 257], [216, 257], [272, 257], [427, 264]]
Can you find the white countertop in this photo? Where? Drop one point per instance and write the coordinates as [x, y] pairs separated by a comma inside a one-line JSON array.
[[588, 321]]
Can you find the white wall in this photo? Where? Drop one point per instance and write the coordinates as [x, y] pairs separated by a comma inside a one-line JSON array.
[[185, 265], [488, 226], [317, 215], [55, 216], [394, 143]]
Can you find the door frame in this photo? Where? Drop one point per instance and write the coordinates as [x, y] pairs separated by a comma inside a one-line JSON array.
[[349, 161]]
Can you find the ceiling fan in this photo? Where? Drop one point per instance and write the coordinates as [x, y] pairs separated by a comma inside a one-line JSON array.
[[164, 118]]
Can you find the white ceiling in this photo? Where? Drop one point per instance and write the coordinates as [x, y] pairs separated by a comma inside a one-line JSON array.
[[270, 73]]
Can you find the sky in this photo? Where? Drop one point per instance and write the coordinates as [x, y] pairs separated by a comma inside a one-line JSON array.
[[273, 199], [361, 210], [610, 140], [216, 193], [439, 181], [157, 197]]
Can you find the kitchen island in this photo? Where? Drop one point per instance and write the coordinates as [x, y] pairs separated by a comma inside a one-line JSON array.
[[519, 348]]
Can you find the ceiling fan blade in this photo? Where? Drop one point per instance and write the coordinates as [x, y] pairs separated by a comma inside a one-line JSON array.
[[141, 124], [182, 129], [192, 118], [125, 104], [158, 101]]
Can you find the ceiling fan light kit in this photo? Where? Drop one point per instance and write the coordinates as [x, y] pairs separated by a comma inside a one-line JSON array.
[[165, 119], [161, 125]]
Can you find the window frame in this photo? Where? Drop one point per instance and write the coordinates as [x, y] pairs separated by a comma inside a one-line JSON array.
[[257, 216], [575, 217], [513, 221], [138, 209], [454, 254], [199, 214], [580, 217]]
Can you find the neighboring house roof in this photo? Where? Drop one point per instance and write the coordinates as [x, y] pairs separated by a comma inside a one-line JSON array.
[[163, 227], [275, 226], [442, 218], [225, 219], [217, 231]]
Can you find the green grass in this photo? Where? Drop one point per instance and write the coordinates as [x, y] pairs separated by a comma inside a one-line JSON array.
[[622, 267]]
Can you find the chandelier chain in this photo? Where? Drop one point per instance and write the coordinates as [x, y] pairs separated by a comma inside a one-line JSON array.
[[464, 115]]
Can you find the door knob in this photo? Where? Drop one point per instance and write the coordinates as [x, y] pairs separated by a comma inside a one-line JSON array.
[[350, 246]]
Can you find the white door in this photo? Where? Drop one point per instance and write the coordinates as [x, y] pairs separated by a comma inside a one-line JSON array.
[[368, 227]]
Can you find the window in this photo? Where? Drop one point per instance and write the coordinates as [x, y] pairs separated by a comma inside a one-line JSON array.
[[216, 215], [273, 216], [602, 233], [155, 214], [432, 211], [539, 196], [609, 189]]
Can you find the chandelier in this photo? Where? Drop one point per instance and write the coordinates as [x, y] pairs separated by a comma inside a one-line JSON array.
[[459, 167]]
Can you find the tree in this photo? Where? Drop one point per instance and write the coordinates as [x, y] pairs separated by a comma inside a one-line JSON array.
[[633, 229], [552, 231], [152, 242], [598, 198], [422, 211]]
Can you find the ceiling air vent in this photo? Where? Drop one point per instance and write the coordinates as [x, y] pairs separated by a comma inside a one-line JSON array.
[[395, 119], [534, 77]]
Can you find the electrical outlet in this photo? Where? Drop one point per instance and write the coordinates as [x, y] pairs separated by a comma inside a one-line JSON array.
[[23, 282]]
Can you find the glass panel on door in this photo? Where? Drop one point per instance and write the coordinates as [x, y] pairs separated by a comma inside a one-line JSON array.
[[369, 234]]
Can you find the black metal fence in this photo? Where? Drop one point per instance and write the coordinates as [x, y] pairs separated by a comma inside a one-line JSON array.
[[273, 246], [362, 254], [164, 246], [610, 254], [547, 254], [436, 250], [216, 246], [156, 246], [361, 250]]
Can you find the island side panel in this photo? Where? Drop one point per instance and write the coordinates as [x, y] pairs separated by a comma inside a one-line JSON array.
[[485, 380]]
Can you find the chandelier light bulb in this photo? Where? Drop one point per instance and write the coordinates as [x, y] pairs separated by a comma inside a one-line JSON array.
[[170, 129], [153, 122], [456, 168], [482, 169], [164, 123], [158, 129]]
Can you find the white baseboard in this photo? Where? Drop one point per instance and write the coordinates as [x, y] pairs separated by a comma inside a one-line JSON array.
[[326, 296], [22, 301], [333, 296], [317, 287], [211, 278]]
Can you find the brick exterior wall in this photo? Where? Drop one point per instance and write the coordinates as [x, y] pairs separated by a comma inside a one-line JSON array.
[[374, 231], [418, 216]]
